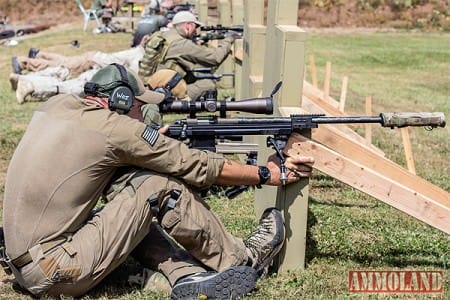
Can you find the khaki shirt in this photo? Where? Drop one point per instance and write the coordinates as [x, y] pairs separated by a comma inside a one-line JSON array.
[[68, 154], [186, 54]]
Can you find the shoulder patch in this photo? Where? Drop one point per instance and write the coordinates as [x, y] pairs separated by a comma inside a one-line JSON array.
[[150, 135]]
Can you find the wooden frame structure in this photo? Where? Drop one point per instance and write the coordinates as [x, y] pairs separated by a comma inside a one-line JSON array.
[[273, 52]]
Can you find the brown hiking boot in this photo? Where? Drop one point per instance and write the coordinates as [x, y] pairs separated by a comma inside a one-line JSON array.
[[265, 241], [151, 281], [24, 89], [13, 79]]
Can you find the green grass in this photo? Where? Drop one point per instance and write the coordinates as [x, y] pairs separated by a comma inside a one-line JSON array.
[[347, 230]]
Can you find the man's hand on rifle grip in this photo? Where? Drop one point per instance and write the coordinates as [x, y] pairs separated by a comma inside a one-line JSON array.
[[297, 166]]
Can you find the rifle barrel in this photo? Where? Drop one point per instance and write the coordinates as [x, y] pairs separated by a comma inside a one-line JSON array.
[[205, 128]]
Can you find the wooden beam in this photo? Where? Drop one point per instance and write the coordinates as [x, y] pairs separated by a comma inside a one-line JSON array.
[[363, 178], [317, 107], [331, 137], [317, 95]]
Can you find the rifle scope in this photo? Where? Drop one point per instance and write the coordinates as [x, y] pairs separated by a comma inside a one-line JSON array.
[[238, 28], [253, 105]]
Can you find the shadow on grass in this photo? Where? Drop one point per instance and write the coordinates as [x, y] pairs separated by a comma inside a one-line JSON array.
[[387, 259], [394, 257], [339, 204]]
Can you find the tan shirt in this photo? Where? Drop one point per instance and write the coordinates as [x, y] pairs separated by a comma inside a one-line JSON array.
[[66, 157], [187, 54]]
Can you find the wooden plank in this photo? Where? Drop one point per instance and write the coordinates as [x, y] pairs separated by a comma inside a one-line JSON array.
[[408, 150], [333, 138], [316, 94], [315, 108], [375, 184], [314, 103]]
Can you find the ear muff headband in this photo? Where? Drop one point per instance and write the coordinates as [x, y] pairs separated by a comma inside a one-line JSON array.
[[122, 97], [122, 71]]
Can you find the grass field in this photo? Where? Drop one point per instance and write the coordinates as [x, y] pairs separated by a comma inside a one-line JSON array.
[[347, 230]]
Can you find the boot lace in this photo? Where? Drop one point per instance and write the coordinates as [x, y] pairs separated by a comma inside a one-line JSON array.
[[259, 238]]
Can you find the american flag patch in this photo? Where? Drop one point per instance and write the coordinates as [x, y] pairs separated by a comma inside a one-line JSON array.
[[150, 135]]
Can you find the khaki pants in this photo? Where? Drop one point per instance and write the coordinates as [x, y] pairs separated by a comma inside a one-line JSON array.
[[75, 64], [123, 225]]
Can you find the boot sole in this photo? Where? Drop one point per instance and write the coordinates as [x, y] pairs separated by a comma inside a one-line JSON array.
[[229, 284]]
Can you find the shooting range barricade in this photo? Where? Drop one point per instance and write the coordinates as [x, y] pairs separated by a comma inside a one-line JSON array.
[[273, 47]]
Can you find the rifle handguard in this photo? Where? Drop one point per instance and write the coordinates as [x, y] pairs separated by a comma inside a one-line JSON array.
[[433, 119]]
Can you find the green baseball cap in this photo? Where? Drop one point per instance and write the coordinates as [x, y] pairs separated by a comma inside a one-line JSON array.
[[111, 74]]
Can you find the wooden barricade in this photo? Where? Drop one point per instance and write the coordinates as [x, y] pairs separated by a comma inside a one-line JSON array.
[[284, 61], [276, 52]]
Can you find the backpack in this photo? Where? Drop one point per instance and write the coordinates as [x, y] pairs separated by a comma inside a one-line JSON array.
[[155, 51]]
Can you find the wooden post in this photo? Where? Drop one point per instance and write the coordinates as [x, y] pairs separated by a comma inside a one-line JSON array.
[[368, 127], [227, 66], [237, 8], [326, 86], [343, 94], [312, 64], [238, 53], [285, 61], [202, 11], [408, 150], [254, 48]]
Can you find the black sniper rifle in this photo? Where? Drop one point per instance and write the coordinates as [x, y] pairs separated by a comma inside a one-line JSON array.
[[220, 28], [219, 32], [202, 132]]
